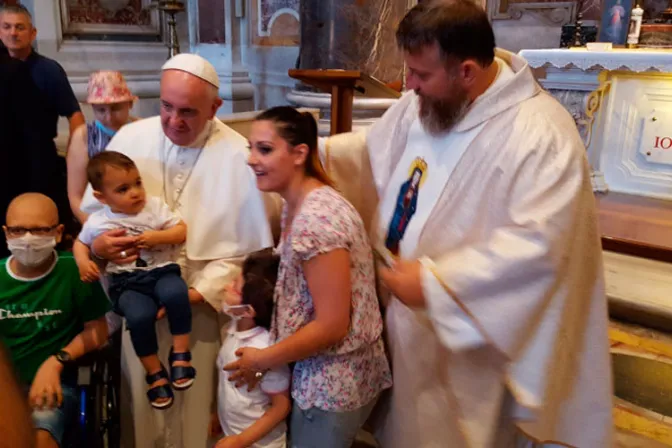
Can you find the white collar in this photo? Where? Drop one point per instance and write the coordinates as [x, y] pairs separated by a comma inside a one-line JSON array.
[[244, 335], [25, 279]]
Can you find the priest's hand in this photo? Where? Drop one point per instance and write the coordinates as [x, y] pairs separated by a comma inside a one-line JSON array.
[[404, 281], [116, 247]]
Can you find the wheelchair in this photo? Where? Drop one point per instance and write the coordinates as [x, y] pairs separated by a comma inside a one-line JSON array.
[[98, 418]]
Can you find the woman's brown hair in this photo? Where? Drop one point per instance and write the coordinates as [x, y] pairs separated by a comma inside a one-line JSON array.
[[298, 128]]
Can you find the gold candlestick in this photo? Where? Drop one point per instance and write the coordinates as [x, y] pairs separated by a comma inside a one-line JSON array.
[[170, 8]]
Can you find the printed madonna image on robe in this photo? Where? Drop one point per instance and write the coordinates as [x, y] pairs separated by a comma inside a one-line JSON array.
[[407, 201]]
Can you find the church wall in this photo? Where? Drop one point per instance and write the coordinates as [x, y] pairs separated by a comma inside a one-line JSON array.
[[252, 43], [272, 48], [88, 37]]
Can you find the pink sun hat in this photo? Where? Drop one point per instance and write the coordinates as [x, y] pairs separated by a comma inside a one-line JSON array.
[[108, 87]]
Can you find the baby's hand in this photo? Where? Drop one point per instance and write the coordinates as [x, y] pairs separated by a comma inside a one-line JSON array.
[[147, 239], [89, 272]]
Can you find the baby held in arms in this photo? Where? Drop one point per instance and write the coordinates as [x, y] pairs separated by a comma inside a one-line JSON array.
[[252, 418], [150, 286]]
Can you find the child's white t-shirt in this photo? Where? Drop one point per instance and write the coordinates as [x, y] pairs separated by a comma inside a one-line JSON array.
[[156, 215], [239, 408]]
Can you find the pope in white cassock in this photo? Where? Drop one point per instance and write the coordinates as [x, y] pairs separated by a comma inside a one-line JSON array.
[[477, 191], [198, 166]]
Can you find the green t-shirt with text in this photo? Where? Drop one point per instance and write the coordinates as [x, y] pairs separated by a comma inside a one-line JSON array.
[[40, 316]]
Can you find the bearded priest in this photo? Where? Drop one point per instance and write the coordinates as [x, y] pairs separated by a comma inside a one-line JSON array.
[[477, 191]]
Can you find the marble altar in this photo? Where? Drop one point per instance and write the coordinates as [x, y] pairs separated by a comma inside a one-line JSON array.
[[619, 100]]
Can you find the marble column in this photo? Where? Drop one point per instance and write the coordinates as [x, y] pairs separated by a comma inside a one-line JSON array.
[[217, 31], [350, 35]]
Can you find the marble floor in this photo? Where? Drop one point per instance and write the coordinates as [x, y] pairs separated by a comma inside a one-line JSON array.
[[630, 440], [623, 439]]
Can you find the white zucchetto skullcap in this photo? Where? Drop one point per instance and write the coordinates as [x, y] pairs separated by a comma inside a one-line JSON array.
[[194, 64]]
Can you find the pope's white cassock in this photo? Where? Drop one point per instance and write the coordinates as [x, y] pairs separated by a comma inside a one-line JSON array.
[[512, 347], [215, 193]]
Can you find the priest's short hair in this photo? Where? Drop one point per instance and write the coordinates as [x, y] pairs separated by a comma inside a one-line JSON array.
[[460, 28]]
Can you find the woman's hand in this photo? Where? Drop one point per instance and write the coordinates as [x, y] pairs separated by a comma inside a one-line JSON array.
[[249, 358], [248, 369], [231, 442]]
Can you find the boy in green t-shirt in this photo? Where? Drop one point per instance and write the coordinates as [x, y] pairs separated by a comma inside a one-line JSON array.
[[48, 316]]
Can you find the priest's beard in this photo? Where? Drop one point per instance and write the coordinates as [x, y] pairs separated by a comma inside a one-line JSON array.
[[440, 115]]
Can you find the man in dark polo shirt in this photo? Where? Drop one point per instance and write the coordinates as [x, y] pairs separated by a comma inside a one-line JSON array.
[[45, 169], [18, 96], [18, 34]]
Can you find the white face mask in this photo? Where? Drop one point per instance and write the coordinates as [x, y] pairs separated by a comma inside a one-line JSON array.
[[31, 250], [237, 312]]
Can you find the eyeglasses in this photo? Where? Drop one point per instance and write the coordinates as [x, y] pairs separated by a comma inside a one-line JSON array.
[[16, 232]]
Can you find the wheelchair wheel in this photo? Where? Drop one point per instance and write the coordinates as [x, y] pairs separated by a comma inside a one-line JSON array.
[[111, 425], [109, 418], [97, 404], [98, 418]]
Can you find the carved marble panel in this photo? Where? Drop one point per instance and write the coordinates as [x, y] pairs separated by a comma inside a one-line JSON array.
[[275, 22], [637, 113], [575, 103]]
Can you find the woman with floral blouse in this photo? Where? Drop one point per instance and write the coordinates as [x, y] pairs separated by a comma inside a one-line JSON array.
[[327, 318]]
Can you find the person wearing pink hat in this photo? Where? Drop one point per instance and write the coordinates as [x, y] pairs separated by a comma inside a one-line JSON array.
[[111, 101]]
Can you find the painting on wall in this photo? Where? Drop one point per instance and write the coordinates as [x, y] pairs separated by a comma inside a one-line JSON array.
[[615, 21], [275, 22], [110, 20]]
